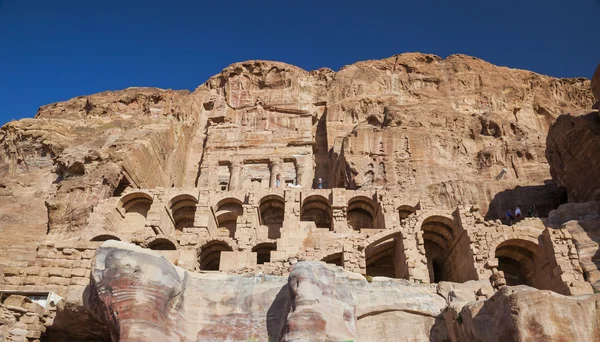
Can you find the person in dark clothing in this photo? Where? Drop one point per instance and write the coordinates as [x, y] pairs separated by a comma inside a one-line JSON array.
[[532, 211], [509, 217]]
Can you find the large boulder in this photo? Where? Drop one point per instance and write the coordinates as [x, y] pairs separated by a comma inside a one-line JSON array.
[[572, 149], [525, 314]]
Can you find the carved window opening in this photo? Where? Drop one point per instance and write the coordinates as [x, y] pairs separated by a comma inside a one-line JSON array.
[[271, 214], [105, 237], [183, 210], [524, 263], [335, 259], [448, 253], [404, 211], [162, 245], [136, 207], [361, 212], [210, 256], [227, 212], [317, 209], [263, 252], [386, 258]]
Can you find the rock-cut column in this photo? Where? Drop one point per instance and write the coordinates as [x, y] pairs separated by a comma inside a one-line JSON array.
[[275, 170], [235, 175]]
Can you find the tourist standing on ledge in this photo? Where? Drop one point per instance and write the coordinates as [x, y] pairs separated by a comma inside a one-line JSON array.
[[509, 217], [277, 181], [320, 183], [518, 214]]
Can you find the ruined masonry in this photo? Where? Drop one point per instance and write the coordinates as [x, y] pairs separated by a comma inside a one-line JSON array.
[[276, 204]]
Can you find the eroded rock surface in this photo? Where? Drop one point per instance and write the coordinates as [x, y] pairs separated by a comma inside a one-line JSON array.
[[142, 297], [397, 167], [525, 314], [437, 129], [572, 152]]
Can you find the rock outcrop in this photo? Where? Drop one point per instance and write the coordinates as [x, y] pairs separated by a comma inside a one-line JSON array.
[[142, 297], [524, 314], [572, 152], [440, 130], [242, 195]]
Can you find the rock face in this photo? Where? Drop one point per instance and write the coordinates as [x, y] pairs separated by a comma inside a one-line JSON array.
[[572, 151], [142, 297], [243, 194], [439, 130], [524, 314]]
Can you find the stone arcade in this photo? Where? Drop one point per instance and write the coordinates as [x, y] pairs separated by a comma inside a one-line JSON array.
[[155, 215]]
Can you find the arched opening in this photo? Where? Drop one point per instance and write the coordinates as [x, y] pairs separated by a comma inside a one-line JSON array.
[[361, 212], [405, 211], [210, 256], [316, 208], [335, 259], [448, 253], [386, 258], [161, 244], [263, 252], [227, 212], [523, 263], [136, 206], [272, 213], [105, 237], [183, 209]]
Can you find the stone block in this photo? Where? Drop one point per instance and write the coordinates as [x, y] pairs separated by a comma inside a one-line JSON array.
[[79, 281], [58, 281], [11, 271], [55, 271], [80, 272], [88, 254], [12, 280], [17, 300], [66, 272], [33, 270], [31, 280], [33, 334]]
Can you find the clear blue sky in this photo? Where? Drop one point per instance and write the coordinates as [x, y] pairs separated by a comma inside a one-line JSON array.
[[55, 50]]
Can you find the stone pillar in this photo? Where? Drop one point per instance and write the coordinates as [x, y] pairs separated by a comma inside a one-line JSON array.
[[275, 170], [305, 171], [235, 176], [204, 218], [339, 209]]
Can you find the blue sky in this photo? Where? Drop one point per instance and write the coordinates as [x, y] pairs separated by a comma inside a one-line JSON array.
[[54, 50]]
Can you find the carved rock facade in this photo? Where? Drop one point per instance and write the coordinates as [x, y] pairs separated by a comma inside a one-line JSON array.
[[400, 168]]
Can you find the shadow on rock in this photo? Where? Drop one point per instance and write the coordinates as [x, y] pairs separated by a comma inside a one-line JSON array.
[[545, 197], [277, 314]]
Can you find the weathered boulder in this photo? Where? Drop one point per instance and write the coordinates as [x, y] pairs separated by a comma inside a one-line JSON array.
[[572, 149], [140, 296], [582, 220], [524, 314]]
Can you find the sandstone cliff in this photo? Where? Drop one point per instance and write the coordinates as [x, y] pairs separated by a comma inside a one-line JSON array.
[[439, 130]]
